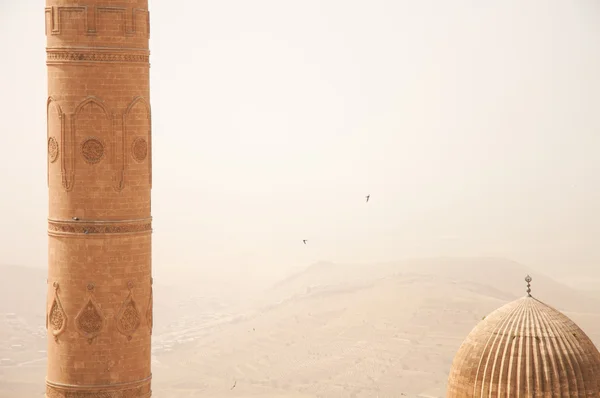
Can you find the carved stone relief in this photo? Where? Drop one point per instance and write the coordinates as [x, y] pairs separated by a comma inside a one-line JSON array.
[[68, 227], [47, 311], [135, 392], [61, 56], [90, 320], [57, 318], [149, 315], [92, 150], [128, 318], [134, 21], [52, 149], [99, 394], [52, 392], [139, 149]]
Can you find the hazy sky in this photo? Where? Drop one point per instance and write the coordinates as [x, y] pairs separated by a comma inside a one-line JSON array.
[[475, 127]]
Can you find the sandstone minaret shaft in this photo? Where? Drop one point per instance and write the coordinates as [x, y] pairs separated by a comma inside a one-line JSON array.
[[99, 309]]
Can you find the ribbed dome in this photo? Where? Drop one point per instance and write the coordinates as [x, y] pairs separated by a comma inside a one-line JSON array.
[[526, 349]]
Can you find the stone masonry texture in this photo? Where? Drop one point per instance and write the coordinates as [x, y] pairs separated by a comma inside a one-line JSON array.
[[99, 302], [525, 349]]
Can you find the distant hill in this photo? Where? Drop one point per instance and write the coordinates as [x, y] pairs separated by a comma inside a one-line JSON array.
[[330, 330], [337, 330], [498, 277]]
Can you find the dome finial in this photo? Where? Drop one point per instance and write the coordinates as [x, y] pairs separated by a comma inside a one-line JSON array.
[[528, 280]]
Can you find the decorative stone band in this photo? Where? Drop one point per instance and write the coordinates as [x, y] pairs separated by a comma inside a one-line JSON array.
[[96, 55], [137, 389], [121, 227]]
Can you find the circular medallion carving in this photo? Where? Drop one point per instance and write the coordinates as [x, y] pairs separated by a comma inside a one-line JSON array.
[[52, 149], [92, 150], [139, 149]]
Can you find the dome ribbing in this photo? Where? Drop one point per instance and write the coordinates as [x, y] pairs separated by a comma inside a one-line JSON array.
[[526, 349]]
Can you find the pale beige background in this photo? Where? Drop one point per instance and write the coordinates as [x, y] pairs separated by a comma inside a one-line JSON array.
[[475, 126]]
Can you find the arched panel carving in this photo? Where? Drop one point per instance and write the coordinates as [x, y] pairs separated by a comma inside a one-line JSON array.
[[136, 144], [92, 100], [94, 140], [150, 311], [56, 137]]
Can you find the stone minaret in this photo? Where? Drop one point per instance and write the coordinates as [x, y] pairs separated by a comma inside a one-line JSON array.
[[99, 309]]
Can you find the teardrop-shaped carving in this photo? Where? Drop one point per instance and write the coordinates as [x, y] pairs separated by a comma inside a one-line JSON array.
[[128, 318], [90, 320], [57, 317], [149, 310]]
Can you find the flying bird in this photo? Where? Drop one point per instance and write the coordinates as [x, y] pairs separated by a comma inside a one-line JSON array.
[[304, 240], [234, 384], [368, 196]]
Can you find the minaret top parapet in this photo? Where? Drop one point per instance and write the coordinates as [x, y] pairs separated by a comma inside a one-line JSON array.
[[97, 23]]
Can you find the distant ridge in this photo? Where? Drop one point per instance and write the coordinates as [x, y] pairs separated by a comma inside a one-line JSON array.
[[499, 277]]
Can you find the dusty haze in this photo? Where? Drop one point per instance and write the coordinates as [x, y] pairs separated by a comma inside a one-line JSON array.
[[474, 127]]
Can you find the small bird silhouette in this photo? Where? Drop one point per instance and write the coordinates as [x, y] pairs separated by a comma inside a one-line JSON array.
[[234, 384], [304, 241], [75, 218], [368, 196]]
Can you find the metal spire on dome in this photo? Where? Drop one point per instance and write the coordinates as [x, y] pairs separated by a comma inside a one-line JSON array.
[[528, 280]]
